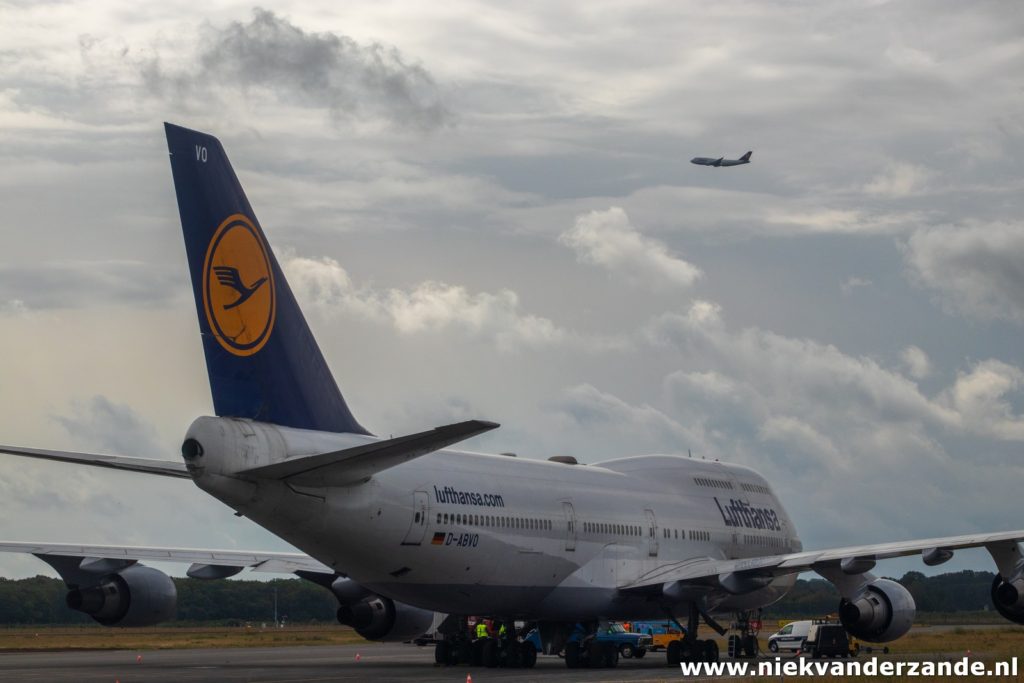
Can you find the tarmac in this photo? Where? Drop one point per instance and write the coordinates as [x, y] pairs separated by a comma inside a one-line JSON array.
[[307, 664]]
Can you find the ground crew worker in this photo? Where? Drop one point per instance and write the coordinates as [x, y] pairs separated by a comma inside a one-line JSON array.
[[502, 631], [481, 629]]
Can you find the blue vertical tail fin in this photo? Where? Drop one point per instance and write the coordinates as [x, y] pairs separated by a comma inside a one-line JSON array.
[[261, 356], [746, 157]]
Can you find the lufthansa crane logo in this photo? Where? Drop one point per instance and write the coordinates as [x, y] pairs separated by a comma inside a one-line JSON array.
[[238, 287]]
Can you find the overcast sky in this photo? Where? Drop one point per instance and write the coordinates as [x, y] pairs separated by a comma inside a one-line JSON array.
[[490, 212]]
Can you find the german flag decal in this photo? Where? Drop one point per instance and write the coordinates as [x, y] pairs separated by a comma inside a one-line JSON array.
[[438, 538]]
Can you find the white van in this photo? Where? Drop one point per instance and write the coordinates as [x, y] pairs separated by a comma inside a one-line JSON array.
[[789, 637]]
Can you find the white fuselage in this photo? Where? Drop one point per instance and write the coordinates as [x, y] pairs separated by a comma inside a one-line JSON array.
[[469, 533]]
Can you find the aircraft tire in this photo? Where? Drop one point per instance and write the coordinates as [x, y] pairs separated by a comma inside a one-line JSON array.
[[674, 653], [489, 653], [572, 655], [640, 652], [529, 657], [595, 655], [710, 651], [442, 654]]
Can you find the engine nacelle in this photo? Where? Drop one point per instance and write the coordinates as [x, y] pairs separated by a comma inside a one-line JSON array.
[[882, 612], [383, 619], [134, 596], [1008, 598]]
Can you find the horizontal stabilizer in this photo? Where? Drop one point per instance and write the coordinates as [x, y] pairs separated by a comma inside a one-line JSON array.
[[348, 466], [98, 558], [164, 468]]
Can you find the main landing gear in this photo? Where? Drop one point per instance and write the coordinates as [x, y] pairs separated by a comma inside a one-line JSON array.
[[502, 650], [745, 645], [591, 653], [689, 648]]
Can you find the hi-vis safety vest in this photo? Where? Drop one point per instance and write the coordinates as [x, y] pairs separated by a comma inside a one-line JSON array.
[[481, 630]]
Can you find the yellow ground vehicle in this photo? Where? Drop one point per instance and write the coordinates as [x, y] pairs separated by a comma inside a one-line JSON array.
[[662, 633]]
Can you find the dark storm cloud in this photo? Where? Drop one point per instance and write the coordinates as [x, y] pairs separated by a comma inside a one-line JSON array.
[[319, 70]]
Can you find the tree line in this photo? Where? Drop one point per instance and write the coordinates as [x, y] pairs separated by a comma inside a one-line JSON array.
[[41, 599]]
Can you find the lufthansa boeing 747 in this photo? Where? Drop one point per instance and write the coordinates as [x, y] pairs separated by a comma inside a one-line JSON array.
[[721, 161], [412, 536]]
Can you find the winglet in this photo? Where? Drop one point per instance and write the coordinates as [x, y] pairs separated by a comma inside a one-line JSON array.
[[351, 465]]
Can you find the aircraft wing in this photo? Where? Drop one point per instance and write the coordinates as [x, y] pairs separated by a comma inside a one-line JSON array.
[[851, 560], [165, 468], [205, 563]]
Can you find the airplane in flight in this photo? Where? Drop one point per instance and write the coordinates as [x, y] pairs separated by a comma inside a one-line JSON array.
[[411, 535], [721, 161]]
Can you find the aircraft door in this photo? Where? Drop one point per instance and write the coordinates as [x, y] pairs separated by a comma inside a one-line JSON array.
[[418, 524], [652, 533], [570, 526]]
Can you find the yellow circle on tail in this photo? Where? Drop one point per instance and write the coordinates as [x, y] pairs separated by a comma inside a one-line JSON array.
[[238, 287]]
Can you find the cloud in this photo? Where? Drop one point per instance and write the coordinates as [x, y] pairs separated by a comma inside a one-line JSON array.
[[110, 427], [797, 435], [899, 179], [816, 397], [826, 221], [853, 283], [14, 307], [76, 284], [916, 362], [606, 238], [269, 57], [430, 307], [605, 417], [978, 269], [980, 397]]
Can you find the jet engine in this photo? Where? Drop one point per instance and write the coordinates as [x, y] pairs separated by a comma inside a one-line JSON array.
[[1008, 597], [882, 612], [379, 618], [134, 596]]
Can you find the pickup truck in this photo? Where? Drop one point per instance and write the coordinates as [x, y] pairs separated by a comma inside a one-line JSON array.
[[628, 644], [662, 633]]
